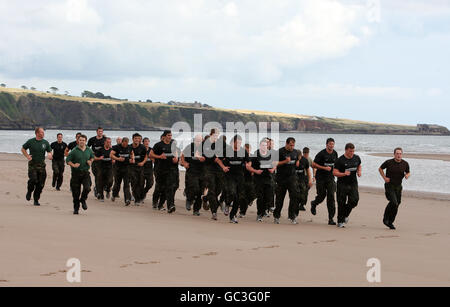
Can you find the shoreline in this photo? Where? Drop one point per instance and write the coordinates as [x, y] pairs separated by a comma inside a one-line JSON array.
[[160, 129], [424, 156], [362, 188]]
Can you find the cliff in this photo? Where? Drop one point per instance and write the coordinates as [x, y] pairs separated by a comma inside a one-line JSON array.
[[20, 110]]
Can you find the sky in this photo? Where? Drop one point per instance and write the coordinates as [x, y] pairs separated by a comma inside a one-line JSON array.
[[374, 60]]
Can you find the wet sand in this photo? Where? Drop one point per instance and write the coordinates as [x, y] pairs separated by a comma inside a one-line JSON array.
[[137, 246]]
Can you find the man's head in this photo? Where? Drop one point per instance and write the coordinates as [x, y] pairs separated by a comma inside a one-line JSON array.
[[146, 142], [39, 132], [248, 148], [137, 139], [213, 135], [125, 142], [290, 144], [237, 142], [263, 145], [99, 132], [306, 152], [349, 150], [330, 144], [108, 143], [59, 137], [398, 154], [82, 141], [119, 141], [77, 136], [198, 139], [167, 136]]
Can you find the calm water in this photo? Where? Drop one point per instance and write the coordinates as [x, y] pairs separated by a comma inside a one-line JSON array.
[[427, 175]]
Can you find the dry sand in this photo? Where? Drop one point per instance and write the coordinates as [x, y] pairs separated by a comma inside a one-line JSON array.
[[443, 157], [136, 246]]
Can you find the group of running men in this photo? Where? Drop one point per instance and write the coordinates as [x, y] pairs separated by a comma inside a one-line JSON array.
[[221, 175]]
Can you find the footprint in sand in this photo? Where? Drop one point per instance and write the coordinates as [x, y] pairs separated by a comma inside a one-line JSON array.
[[210, 254], [48, 274], [300, 243], [239, 250], [195, 257], [329, 241], [363, 238], [430, 234], [86, 271], [386, 237], [18, 196], [272, 246], [4, 280], [179, 258], [7, 193], [125, 266]]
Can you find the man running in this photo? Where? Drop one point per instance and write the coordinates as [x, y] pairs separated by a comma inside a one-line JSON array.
[[105, 172], [396, 170], [122, 154], [193, 161], [234, 163], [36, 164], [346, 168], [249, 186], [166, 153], [287, 180], [96, 143], [213, 150], [72, 145], [158, 198], [325, 184], [80, 160], [59, 149], [137, 168], [304, 180], [263, 166], [311, 170], [148, 170]]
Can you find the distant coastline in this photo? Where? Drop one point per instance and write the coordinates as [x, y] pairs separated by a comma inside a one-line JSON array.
[[25, 109]]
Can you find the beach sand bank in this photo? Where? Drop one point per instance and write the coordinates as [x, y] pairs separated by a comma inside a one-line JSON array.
[[137, 246]]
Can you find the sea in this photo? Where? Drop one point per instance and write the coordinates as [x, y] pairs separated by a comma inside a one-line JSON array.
[[426, 175]]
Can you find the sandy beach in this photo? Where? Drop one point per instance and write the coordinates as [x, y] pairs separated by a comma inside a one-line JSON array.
[[443, 157], [137, 246]]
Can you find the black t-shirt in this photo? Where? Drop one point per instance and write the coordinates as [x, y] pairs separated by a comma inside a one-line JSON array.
[[96, 144], [122, 152], [343, 164], [139, 153], [106, 153], [323, 158], [303, 166], [395, 170], [262, 162], [72, 145], [58, 150], [170, 150], [236, 160], [149, 163], [211, 151], [190, 153], [287, 170]]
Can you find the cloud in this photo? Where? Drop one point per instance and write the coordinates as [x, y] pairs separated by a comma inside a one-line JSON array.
[[243, 41]]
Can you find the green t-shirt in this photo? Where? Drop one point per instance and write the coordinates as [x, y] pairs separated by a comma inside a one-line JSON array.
[[79, 156], [37, 149]]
